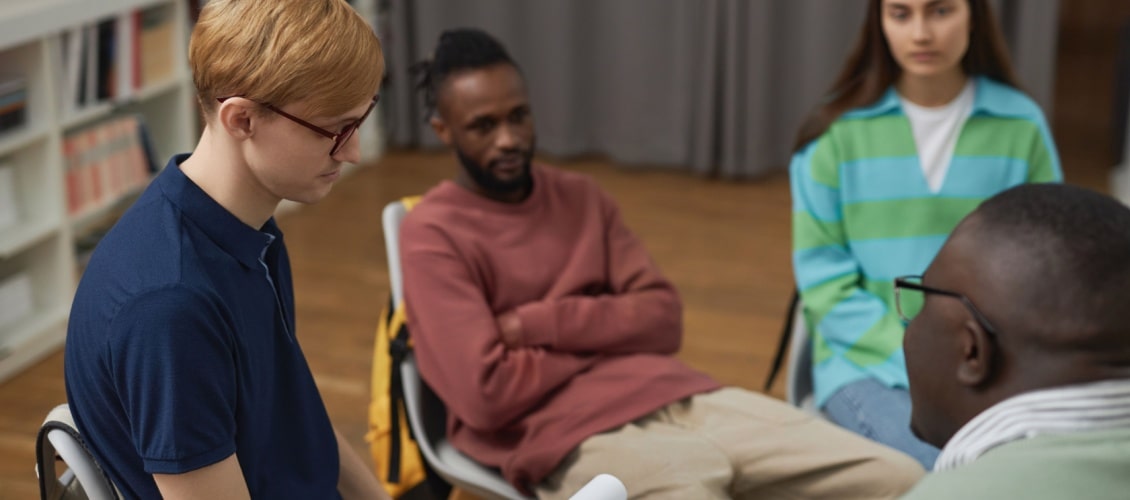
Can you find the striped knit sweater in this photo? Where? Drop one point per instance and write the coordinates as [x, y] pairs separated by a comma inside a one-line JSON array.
[[863, 214]]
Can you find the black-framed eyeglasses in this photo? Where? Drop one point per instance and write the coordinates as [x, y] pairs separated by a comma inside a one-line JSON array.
[[910, 295], [339, 138]]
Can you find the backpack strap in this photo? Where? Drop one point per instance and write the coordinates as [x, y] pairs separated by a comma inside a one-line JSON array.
[[396, 395], [398, 349], [783, 343]]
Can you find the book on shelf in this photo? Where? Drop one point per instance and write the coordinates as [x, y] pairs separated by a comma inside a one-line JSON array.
[[13, 102], [71, 70], [110, 60], [157, 40], [9, 211], [105, 163]]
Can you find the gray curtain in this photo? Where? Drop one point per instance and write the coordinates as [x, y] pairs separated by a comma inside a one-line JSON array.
[[717, 87], [1032, 28]]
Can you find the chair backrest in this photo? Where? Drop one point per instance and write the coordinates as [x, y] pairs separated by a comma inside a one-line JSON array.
[[391, 218], [795, 340], [83, 479], [427, 416], [799, 372]]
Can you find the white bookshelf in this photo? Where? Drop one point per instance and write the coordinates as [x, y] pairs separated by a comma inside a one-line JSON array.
[[39, 248]]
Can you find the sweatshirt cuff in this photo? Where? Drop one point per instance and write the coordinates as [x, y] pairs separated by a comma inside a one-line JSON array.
[[539, 324]]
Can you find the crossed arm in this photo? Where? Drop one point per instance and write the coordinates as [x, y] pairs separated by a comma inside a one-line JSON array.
[[457, 344], [638, 311], [492, 370]]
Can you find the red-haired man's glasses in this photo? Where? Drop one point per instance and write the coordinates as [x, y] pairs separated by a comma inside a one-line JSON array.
[[339, 138]]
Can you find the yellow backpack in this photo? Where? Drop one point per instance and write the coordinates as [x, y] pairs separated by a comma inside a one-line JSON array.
[[400, 467]]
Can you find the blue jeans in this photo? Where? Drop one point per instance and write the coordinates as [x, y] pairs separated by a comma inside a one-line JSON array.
[[882, 414]]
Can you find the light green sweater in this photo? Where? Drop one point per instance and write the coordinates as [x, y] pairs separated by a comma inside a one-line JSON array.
[[1079, 466]]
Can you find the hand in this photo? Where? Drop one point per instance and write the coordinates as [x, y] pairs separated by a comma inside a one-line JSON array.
[[510, 329]]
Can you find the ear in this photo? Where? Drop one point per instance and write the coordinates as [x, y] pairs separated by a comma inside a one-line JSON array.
[[977, 348], [236, 116], [441, 129]]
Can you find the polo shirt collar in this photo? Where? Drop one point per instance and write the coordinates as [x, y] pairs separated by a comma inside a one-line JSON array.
[[239, 240]]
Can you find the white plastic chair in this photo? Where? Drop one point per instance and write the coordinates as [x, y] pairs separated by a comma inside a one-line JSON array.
[[83, 478], [799, 389], [428, 417]]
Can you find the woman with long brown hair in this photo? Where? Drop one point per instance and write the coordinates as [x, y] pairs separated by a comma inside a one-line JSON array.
[[924, 122]]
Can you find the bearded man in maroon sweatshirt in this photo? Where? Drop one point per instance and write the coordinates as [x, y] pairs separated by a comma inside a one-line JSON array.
[[548, 332]]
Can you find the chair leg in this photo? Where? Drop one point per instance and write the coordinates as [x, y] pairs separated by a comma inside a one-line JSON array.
[[783, 342]]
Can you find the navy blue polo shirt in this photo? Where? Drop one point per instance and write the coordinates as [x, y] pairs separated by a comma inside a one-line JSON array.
[[181, 351]]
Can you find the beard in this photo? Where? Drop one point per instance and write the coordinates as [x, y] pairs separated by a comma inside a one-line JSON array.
[[493, 186]]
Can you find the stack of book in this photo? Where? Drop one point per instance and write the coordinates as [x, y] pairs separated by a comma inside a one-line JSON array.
[[105, 163], [13, 102]]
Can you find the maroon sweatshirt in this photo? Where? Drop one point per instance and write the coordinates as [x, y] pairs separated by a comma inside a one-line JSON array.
[[600, 324]]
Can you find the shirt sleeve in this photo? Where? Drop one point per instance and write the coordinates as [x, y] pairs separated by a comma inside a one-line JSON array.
[[457, 343], [172, 360], [639, 312], [838, 310]]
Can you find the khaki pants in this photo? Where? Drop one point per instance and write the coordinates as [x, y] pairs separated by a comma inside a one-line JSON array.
[[734, 443]]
